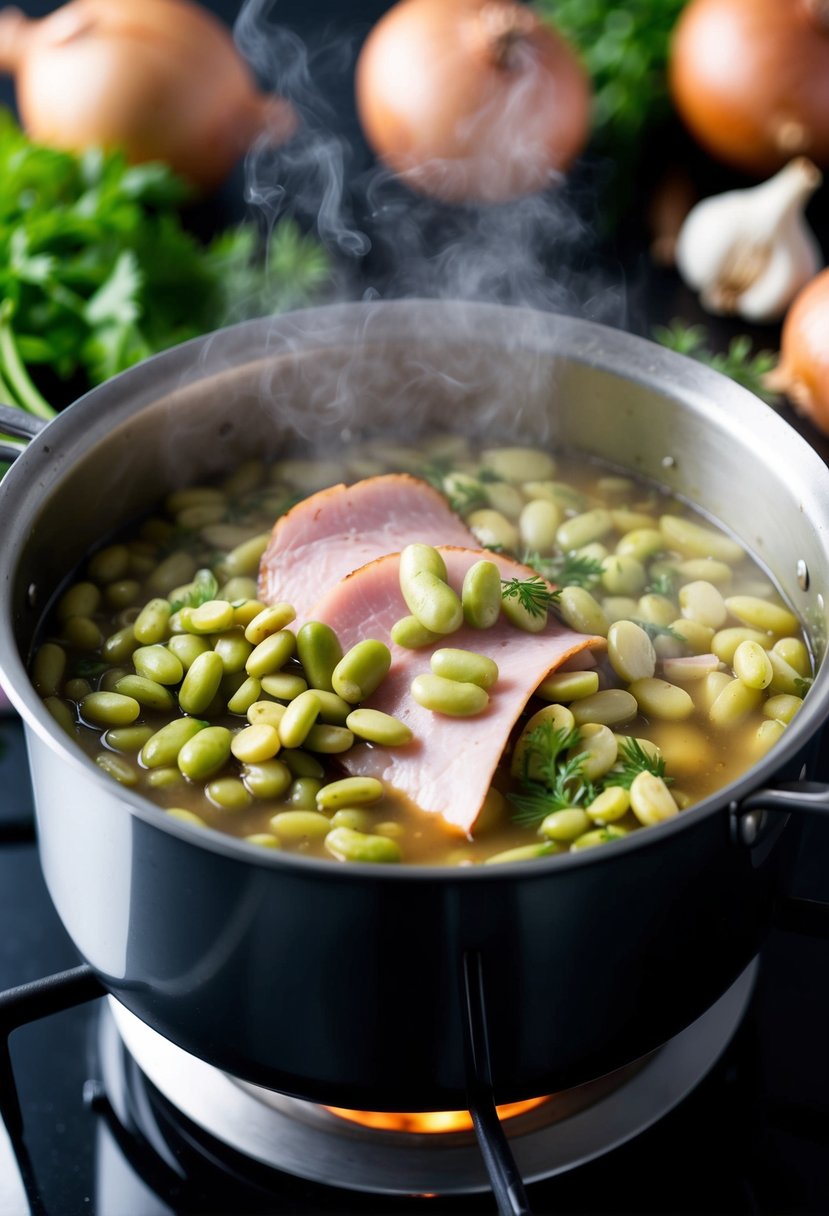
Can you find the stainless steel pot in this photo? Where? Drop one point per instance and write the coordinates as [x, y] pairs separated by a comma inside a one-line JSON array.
[[351, 984]]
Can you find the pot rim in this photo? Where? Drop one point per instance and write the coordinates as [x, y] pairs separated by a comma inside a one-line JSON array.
[[645, 363]]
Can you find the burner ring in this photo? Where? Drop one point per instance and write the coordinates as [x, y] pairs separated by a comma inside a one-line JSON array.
[[308, 1141]]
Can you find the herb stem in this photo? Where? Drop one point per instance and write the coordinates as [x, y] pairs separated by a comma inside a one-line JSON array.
[[17, 382]]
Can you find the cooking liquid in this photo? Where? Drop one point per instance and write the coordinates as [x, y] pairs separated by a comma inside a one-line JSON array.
[[700, 758]]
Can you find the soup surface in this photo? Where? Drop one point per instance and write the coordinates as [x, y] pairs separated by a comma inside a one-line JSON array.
[[165, 663]]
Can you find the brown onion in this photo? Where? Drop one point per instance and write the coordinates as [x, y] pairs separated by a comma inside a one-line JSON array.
[[750, 79], [803, 371], [471, 99], [160, 79]]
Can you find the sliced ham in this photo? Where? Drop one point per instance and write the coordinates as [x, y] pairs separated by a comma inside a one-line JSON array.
[[325, 537], [448, 767]]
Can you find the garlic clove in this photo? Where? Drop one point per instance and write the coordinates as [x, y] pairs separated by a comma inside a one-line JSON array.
[[793, 262], [748, 252]]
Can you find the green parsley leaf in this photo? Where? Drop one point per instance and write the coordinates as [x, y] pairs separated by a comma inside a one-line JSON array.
[[740, 363]]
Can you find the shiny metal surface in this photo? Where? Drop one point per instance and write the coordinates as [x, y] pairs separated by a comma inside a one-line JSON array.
[[182, 924], [314, 378], [308, 1141]]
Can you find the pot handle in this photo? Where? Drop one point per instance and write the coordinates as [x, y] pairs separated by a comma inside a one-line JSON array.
[[791, 913], [17, 429], [805, 797]]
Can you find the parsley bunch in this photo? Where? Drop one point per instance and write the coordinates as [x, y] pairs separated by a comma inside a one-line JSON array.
[[97, 270], [624, 46]]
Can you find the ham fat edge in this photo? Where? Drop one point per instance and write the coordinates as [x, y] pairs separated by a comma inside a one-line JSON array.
[[448, 766], [334, 532]]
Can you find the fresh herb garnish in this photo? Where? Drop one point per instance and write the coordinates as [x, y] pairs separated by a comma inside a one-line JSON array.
[[662, 584], [97, 270], [633, 759], [802, 685], [435, 473], [550, 782], [568, 570], [739, 362], [624, 47], [204, 587], [660, 631], [466, 497], [533, 594]]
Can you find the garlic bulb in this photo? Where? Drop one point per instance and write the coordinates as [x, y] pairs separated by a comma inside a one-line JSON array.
[[748, 252]]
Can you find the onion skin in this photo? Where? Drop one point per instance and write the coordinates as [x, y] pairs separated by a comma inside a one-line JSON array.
[[750, 79], [471, 100], [803, 371], [160, 79]]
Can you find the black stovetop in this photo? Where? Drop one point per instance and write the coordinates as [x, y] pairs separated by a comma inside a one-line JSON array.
[[753, 1137]]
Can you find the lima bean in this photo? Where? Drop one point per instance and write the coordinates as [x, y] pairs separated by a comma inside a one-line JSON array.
[[568, 686], [454, 698], [760, 614], [298, 719], [432, 602], [159, 664], [348, 845], [349, 791], [378, 727], [163, 747], [204, 754], [319, 652], [268, 621], [464, 666], [229, 793], [481, 594], [201, 683], [361, 670], [651, 800], [109, 708]]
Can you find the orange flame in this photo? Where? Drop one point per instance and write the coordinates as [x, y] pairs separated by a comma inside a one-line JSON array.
[[431, 1122]]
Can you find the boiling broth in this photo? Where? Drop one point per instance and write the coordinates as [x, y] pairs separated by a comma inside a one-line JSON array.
[[607, 535]]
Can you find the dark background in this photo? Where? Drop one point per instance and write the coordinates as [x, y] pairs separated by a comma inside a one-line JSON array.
[[774, 1129]]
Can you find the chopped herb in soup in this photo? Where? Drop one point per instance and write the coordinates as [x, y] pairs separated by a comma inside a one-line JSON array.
[[435, 655]]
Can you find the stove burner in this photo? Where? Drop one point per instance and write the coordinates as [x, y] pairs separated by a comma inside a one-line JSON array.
[[312, 1142]]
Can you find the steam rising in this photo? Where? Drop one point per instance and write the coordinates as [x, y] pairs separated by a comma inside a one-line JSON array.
[[389, 243], [533, 252]]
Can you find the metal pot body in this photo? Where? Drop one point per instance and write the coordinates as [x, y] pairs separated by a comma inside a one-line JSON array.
[[344, 984]]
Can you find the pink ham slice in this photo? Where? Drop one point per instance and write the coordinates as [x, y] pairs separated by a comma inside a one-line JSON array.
[[448, 767], [328, 535]]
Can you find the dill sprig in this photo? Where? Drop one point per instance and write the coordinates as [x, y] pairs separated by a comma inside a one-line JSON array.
[[569, 788], [533, 594], [634, 760], [549, 781], [541, 750], [566, 569]]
